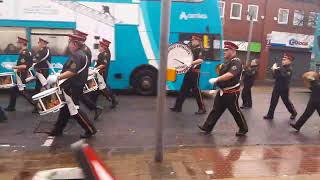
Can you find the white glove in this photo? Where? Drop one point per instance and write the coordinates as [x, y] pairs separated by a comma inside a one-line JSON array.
[[275, 66], [52, 79], [188, 64], [212, 92], [213, 80]]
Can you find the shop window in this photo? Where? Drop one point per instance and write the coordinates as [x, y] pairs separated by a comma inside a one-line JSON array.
[[9, 36], [58, 40], [236, 9], [298, 18], [253, 10], [283, 16]]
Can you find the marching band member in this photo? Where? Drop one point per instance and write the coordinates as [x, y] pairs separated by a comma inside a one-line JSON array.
[[191, 79], [102, 65], [85, 98], [41, 61], [41, 66], [248, 75], [281, 87], [75, 74], [24, 62], [312, 81], [228, 95]]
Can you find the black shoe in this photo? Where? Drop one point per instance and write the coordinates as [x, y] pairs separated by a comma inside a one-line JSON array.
[[87, 135], [9, 109], [114, 104], [293, 125], [268, 117], [293, 116], [203, 129], [241, 133], [175, 109], [52, 133], [201, 111], [97, 113]]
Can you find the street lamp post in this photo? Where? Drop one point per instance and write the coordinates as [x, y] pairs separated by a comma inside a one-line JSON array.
[[249, 38], [161, 96]]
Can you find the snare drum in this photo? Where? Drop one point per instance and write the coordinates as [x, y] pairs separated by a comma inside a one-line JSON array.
[[6, 80], [48, 101], [91, 85]]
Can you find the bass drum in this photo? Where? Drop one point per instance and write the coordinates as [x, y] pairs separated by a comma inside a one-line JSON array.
[[179, 56]]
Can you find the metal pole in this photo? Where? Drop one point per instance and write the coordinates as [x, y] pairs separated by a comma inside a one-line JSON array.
[[161, 98], [249, 39]]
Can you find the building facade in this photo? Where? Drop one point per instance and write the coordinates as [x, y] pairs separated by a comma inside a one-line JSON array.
[[279, 26]]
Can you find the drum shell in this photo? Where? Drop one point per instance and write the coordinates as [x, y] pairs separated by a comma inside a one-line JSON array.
[[8, 78], [87, 88], [45, 107]]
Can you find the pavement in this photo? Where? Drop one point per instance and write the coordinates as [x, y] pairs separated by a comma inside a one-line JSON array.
[[290, 162], [130, 128]]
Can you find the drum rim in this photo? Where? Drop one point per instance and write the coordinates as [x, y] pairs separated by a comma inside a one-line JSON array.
[[46, 92], [52, 109], [7, 73]]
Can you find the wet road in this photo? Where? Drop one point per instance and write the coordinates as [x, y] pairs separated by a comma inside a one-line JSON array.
[[131, 125]]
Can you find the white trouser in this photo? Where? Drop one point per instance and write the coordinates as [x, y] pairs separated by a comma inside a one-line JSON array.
[[101, 83], [73, 109], [20, 85], [42, 79]]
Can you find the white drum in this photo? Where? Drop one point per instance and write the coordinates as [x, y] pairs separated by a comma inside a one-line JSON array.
[[91, 85], [179, 55], [48, 101], [6, 80]]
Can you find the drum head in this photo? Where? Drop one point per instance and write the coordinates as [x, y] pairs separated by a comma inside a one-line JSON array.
[[178, 56]]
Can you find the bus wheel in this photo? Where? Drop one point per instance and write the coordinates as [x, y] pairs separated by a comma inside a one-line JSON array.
[[145, 82]]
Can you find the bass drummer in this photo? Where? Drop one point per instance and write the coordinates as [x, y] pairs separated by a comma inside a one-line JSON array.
[[191, 79]]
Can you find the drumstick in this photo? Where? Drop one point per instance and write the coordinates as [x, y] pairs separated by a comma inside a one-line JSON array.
[[179, 61], [51, 67]]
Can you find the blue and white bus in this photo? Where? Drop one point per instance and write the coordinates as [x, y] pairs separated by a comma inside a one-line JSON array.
[[133, 26], [315, 57]]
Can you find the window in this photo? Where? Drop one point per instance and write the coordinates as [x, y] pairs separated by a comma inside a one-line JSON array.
[[283, 16], [58, 40], [222, 5], [298, 18], [313, 16], [253, 10], [209, 43], [236, 9], [9, 36]]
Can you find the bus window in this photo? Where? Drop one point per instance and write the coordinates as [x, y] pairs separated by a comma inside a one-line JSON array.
[[58, 40], [189, 1], [210, 45], [9, 36]]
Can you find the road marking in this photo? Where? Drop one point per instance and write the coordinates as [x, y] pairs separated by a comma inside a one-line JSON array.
[[48, 141], [4, 145]]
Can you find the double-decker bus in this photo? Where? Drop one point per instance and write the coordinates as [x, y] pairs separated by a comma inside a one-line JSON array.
[[133, 27]]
